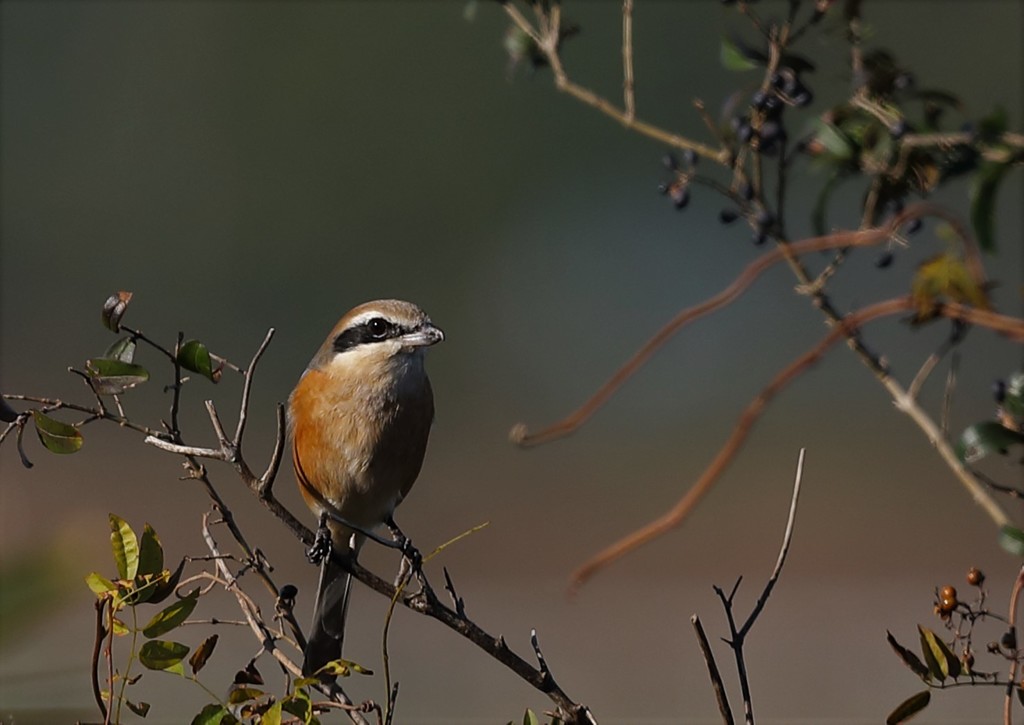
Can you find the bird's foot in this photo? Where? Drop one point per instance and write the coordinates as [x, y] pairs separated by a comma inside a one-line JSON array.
[[322, 546]]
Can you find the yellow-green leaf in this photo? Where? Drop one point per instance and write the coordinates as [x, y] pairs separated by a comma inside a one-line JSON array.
[[243, 694], [273, 715], [100, 585], [157, 654], [171, 616], [56, 436], [941, 661], [944, 277], [909, 707], [125, 546], [151, 553]]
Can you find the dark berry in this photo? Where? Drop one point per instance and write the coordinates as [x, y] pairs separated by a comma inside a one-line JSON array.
[[760, 237], [1009, 640], [663, 188], [289, 591], [883, 260], [903, 81], [744, 132], [759, 99], [913, 226], [899, 129], [773, 107], [690, 157], [803, 98], [975, 577], [764, 218], [746, 191], [728, 216], [999, 391], [670, 162], [680, 196]]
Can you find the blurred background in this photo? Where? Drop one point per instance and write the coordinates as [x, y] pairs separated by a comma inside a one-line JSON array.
[[241, 166]]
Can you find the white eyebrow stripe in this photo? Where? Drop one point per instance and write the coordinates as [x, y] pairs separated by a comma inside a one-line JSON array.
[[364, 317]]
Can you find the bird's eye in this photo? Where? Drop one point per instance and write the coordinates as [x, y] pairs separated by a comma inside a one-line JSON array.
[[378, 327]]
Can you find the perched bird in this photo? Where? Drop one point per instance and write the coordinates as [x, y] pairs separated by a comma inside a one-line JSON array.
[[359, 420]]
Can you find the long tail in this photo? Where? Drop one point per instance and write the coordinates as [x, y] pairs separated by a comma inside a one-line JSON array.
[[329, 612]]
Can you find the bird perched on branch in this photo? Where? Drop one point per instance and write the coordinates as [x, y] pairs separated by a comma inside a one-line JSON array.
[[359, 420]]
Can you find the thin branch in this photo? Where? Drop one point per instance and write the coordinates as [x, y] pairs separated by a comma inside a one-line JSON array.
[[716, 678], [629, 99], [247, 387], [848, 326], [521, 435], [1011, 683]]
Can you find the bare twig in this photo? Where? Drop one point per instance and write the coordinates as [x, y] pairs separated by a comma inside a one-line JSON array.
[[678, 513], [1011, 683], [716, 678], [629, 100], [738, 635]]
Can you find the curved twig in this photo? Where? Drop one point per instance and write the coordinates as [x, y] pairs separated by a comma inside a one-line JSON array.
[[848, 325], [520, 435]]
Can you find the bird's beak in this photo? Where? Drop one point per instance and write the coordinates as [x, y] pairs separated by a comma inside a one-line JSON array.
[[423, 336]]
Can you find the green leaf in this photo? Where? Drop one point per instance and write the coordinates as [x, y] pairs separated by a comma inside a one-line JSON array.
[[123, 349], [299, 705], [909, 707], [944, 277], [243, 694], [171, 616], [1013, 403], [985, 438], [942, 663], [125, 546], [530, 718], [168, 583], [193, 355], [56, 436], [141, 709], [100, 585], [733, 58], [909, 658], [158, 654], [202, 653], [151, 553], [342, 668], [113, 377], [273, 715], [1012, 539], [837, 144], [982, 194], [213, 714]]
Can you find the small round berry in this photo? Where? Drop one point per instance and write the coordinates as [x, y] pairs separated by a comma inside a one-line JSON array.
[[289, 591], [975, 577], [884, 260], [803, 98], [999, 391], [1009, 639], [899, 129], [744, 132], [690, 157], [764, 218], [663, 188], [670, 162], [913, 226], [728, 216], [680, 196], [947, 592]]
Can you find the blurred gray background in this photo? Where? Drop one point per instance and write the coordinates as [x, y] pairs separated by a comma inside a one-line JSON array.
[[246, 165]]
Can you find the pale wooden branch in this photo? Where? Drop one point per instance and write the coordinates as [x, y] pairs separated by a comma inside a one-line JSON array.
[[628, 90], [1011, 683]]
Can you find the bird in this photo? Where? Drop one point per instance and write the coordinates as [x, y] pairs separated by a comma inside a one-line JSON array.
[[359, 419]]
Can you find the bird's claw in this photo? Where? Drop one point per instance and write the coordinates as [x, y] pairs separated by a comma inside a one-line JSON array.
[[321, 548]]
